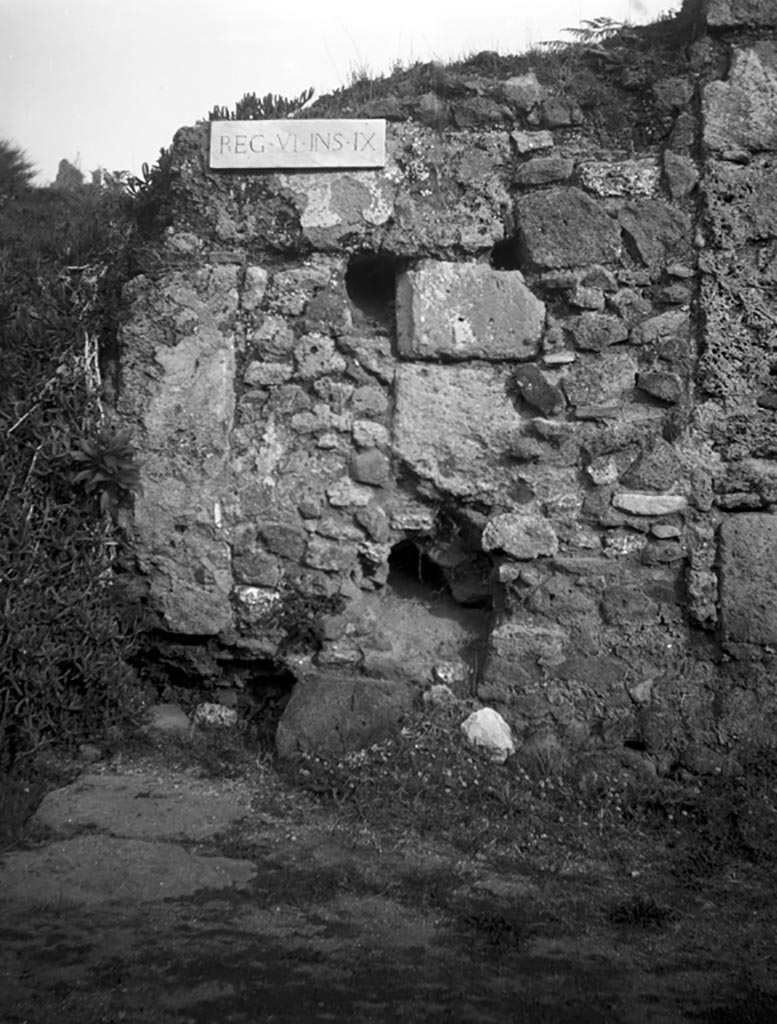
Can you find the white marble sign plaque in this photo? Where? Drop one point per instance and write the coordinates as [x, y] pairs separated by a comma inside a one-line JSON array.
[[290, 144]]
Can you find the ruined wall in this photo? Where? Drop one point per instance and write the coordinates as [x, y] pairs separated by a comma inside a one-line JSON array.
[[501, 413]]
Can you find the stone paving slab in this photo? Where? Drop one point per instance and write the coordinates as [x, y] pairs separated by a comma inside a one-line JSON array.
[[143, 805], [104, 869]]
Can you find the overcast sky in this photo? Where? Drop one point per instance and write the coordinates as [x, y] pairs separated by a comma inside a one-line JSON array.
[[108, 82]]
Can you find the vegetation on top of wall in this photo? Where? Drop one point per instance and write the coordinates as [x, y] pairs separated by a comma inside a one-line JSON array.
[[262, 108], [606, 68], [64, 642]]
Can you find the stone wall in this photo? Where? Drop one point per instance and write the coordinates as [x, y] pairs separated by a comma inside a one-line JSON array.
[[500, 414]]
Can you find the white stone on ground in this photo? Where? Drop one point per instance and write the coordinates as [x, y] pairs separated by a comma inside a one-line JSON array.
[[487, 729]]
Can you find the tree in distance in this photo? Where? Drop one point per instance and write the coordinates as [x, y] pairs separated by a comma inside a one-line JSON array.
[[16, 171]]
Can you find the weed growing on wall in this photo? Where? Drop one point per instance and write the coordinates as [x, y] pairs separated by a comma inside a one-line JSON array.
[[64, 641], [262, 108]]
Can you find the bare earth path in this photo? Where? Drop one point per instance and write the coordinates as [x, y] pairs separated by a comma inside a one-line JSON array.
[[142, 893]]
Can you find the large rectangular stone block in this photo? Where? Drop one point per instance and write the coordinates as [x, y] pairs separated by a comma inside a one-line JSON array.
[[467, 311], [454, 425], [748, 579], [739, 113], [564, 227]]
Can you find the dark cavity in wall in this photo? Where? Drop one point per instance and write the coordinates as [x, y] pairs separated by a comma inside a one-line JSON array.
[[506, 254], [266, 690], [370, 281], [411, 571]]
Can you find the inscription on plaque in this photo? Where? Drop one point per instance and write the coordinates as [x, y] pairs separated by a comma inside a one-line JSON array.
[[296, 144]]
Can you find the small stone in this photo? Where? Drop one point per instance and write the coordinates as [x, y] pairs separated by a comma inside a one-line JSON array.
[[596, 331], [89, 753], [528, 142], [487, 730], [215, 715], [369, 401], [597, 412], [520, 536], [439, 696], [558, 358], [661, 384], [370, 467], [285, 539], [538, 391], [675, 323], [656, 468], [368, 434], [542, 170], [375, 521], [603, 470], [346, 493], [316, 355], [524, 92], [600, 277], [649, 504], [451, 673], [661, 552], [259, 374], [665, 531], [682, 175], [560, 112], [309, 508], [254, 288], [586, 298], [329, 555], [167, 718]]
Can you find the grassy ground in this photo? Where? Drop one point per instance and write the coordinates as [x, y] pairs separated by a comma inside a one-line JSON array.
[[570, 888]]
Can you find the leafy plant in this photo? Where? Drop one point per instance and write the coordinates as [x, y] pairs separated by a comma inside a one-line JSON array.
[[108, 467], [262, 108], [65, 637], [589, 33]]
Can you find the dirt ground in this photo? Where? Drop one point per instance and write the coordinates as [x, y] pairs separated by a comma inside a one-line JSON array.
[[143, 892]]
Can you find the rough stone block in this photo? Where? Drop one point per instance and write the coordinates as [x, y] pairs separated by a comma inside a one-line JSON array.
[[621, 177], [316, 355], [733, 13], [330, 555], [454, 425], [537, 390], [675, 323], [661, 384], [681, 174], [335, 714], [467, 311], [748, 579], [528, 142], [739, 113], [542, 170], [523, 91], [516, 648], [658, 233], [520, 536], [334, 205], [601, 382], [564, 227], [595, 331], [370, 467], [185, 407], [649, 504]]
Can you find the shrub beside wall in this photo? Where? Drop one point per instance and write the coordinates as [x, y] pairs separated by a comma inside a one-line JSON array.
[[64, 638]]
